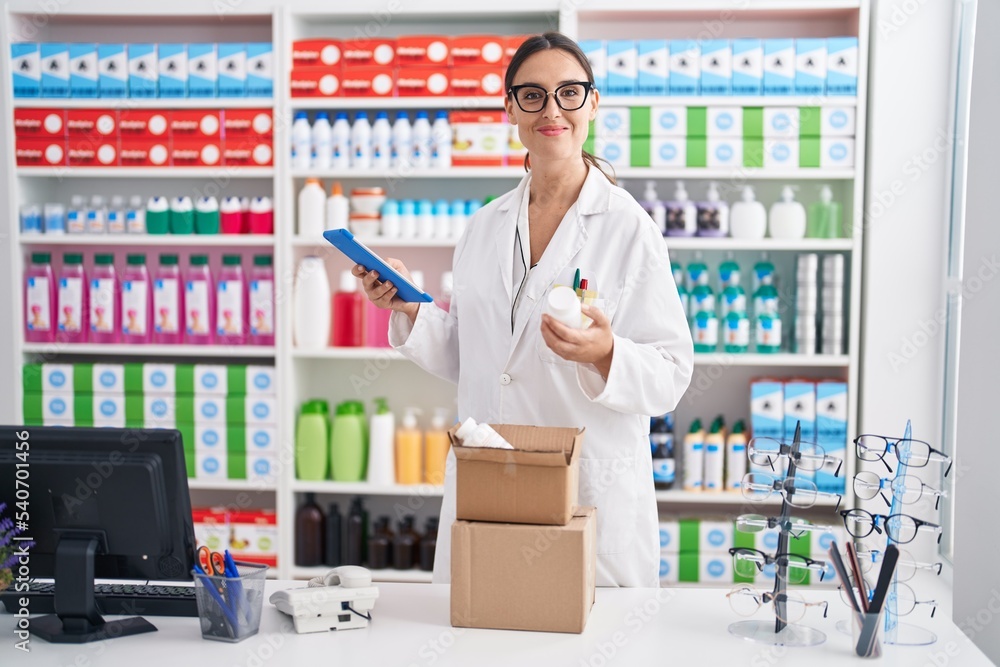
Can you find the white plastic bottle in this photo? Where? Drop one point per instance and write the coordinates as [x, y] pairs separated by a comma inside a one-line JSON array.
[[381, 141], [564, 305], [311, 305], [76, 216], [441, 139], [322, 141], [421, 149], [682, 215], [337, 208], [407, 219], [390, 224], [442, 220], [116, 215], [748, 218], [381, 445], [361, 142], [787, 218], [340, 140], [301, 141], [425, 219], [713, 214], [312, 202], [97, 216], [458, 219], [657, 211], [472, 434], [402, 140], [135, 218]]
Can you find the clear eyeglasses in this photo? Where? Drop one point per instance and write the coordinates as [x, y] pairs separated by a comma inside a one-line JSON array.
[[748, 562], [901, 528], [569, 96], [755, 523], [810, 457], [906, 566], [788, 607], [907, 488], [914, 453], [899, 593], [758, 486]]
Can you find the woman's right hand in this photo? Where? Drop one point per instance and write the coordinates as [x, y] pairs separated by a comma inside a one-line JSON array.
[[383, 294]]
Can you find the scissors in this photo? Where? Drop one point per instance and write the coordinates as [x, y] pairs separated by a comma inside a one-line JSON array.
[[214, 564]]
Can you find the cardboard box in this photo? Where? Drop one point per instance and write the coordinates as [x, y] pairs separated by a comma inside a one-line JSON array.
[[724, 152], [247, 123], [196, 153], [748, 67], [26, 66], [143, 70], [315, 81], [144, 153], [479, 138], [475, 81], [421, 50], [92, 151], [685, 67], [54, 58], [668, 121], [810, 66], [232, 70], [253, 536], [83, 70], [423, 81], [173, 64], [779, 67], [316, 53], [842, 66], [374, 52], [112, 65], [669, 567], [203, 70], [654, 67], [476, 50], [365, 81], [39, 123], [144, 124], [668, 152], [623, 67], [92, 122], [30, 152], [247, 152], [518, 577], [597, 56], [724, 122], [195, 124], [537, 482], [716, 67], [260, 69]]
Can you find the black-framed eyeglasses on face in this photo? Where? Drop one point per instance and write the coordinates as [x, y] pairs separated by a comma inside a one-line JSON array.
[[569, 96], [913, 453]]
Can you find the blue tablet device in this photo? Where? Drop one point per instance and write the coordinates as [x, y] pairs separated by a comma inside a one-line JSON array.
[[359, 253]]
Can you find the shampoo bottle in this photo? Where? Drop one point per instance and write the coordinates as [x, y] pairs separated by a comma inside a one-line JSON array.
[[199, 303], [232, 302], [823, 219], [312, 202], [168, 302], [694, 457], [349, 444], [73, 307], [787, 219], [157, 216], [206, 216], [697, 272], [736, 457], [348, 313], [262, 301], [682, 215], [713, 215], [105, 301], [705, 331], [39, 299], [654, 207], [337, 208], [136, 301], [748, 219], [311, 305], [436, 448], [381, 456], [312, 441], [181, 215], [409, 448], [715, 454]]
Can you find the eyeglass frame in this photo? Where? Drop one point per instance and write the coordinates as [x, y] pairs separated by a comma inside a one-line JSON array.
[[587, 87], [785, 449], [773, 560], [919, 523], [924, 488], [868, 557], [870, 593], [769, 598], [894, 445], [793, 525], [780, 485]]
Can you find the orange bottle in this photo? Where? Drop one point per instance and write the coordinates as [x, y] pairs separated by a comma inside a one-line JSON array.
[[436, 448], [409, 449]]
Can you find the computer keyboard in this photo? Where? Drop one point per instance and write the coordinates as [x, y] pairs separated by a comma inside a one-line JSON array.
[[112, 599]]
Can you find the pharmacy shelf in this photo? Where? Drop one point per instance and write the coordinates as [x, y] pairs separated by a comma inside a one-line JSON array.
[[164, 240], [389, 103], [736, 174], [783, 359], [731, 101], [127, 103], [364, 488], [231, 485], [799, 245], [401, 174], [725, 498], [644, 8], [399, 576], [349, 353], [146, 172], [98, 349], [378, 242]]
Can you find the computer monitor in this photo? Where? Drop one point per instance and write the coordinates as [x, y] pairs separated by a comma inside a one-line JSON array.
[[103, 502]]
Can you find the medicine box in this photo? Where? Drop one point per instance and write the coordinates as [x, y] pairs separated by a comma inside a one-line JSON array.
[[668, 152], [367, 81], [724, 122], [669, 567], [836, 152], [422, 50], [260, 70], [653, 67], [767, 410], [724, 152], [315, 82], [196, 153], [173, 66], [614, 123], [31, 152], [748, 67], [159, 411], [92, 123], [597, 56], [316, 53], [781, 122], [232, 70], [109, 410], [842, 66], [618, 152], [240, 123], [92, 151], [143, 70], [715, 536], [480, 138], [210, 465], [475, 81], [831, 432], [203, 70], [195, 124], [54, 57], [668, 121], [837, 122], [716, 67], [810, 66], [715, 568], [373, 52], [112, 65], [83, 72], [423, 81], [26, 67], [800, 409], [685, 67], [781, 153], [670, 535], [779, 67], [143, 153], [468, 50], [254, 536]]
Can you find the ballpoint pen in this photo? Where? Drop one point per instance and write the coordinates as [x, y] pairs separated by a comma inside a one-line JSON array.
[[576, 281]]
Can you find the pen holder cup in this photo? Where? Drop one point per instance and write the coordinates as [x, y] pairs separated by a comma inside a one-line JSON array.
[[229, 608], [867, 634]]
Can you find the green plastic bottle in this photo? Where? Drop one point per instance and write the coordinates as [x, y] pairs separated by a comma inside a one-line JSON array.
[[729, 273], [736, 332], [823, 217], [206, 216], [349, 447], [705, 331], [181, 216], [697, 273], [312, 433], [763, 272], [734, 299], [768, 333]]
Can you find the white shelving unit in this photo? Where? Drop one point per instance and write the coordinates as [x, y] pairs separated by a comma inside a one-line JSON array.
[[145, 103], [207, 173], [96, 349], [152, 240]]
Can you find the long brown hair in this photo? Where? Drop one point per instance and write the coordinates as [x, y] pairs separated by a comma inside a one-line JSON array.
[[544, 42]]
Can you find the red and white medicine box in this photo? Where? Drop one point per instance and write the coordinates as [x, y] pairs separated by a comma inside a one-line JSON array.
[[369, 52], [195, 124], [144, 124], [39, 123], [476, 81], [92, 151], [316, 82], [97, 122], [195, 153], [367, 82], [249, 151], [247, 122], [253, 536], [143, 153], [40, 152], [511, 43], [480, 138], [477, 50], [422, 50], [423, 81], [316, 52]]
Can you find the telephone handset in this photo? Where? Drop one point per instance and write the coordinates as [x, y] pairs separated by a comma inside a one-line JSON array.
[[345, 576], [341, 599]]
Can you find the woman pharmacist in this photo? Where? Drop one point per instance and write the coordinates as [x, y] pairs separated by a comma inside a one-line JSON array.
[[512, 363]]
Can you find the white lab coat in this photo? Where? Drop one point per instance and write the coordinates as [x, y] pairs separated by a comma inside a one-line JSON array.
[[516, 379]]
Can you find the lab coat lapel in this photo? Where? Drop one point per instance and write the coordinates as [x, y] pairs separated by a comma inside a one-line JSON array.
[[505, 238]]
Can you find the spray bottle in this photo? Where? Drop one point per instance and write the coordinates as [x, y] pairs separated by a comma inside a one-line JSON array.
[[682, 215]]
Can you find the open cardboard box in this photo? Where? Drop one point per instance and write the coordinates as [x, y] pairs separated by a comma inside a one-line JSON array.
[[508, 576], [536, 483]]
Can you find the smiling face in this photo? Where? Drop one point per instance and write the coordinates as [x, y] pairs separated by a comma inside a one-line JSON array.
[[552, 134]]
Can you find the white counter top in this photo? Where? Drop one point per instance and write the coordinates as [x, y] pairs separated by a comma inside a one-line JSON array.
[[628, 627]]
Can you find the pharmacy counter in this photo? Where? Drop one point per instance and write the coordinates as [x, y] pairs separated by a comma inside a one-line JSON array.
[[411, 628]]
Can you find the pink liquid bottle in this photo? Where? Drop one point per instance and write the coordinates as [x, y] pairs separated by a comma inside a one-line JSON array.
[[231, 303], [262, 301], [168, 302], [73, 308], [136, 297], [231, 216], [377, 325], [39, 299], [348, 313], [199, 303], [261, 220], [105, 305]]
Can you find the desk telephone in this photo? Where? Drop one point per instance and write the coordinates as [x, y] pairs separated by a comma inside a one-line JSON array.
[[342, 599]]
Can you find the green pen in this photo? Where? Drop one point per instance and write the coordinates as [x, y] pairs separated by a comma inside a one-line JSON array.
[[576, 280]]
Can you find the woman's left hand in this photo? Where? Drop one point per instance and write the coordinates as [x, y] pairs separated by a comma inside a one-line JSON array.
[[593, 345]]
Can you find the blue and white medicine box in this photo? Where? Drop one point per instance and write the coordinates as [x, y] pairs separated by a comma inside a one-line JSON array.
[[159, 379], [685, 67], [767, 411], [654, 67], [831, 431], [26, 68], [837, 122], [613, 123], [261, 467], [800, 408], [54, 58], [109, 410], [159, 411], [779, 66], [261, 410], [842, 66], [260, 70], [724, 152], [57, 377], [203, 70], [724, 122], [670, 536], [232, 70], [261, 381], [716, 67], [597, 56], [83, 70], [781, 122], [112, 65], [617, 151], [748, 67], [211, 380], [810, 66], [715, 537], [623, 72], [209, 410], [210, 465], [715, 568], [143, 70], [210, 438], [667, 152], [781, 153], [262, 440], [836, 152], [669, 567], [109, 378], [668, 121], [173, 70]]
